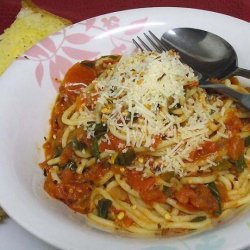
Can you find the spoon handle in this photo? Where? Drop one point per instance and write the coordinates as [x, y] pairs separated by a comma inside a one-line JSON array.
[[243, 99], [242, 72]]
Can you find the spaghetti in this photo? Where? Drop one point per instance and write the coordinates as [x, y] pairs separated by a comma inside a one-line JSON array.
[[138, 146]]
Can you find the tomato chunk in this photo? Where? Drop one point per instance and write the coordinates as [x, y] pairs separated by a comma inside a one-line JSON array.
[[207, 148], [235, 147], [233, 123], [145, 186], [138, 182], [79, 73], [199, 198], [154, 195]]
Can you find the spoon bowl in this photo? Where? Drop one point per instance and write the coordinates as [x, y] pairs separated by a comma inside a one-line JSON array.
[[207, 53]]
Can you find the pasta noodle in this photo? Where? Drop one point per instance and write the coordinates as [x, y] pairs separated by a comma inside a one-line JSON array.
[[139, 147]]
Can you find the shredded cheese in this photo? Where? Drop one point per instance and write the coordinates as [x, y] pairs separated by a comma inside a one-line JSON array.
[[145, 96]]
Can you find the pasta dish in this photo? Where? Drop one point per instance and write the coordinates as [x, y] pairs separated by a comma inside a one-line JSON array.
[[138, 146]]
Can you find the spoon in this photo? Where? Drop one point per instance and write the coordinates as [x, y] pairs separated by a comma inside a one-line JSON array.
[[207, 53]]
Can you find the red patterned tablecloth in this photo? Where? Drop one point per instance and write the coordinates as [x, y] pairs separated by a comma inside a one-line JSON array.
[[77, 10]]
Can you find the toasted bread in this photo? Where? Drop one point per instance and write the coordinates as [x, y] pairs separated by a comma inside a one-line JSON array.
[[32, 24]]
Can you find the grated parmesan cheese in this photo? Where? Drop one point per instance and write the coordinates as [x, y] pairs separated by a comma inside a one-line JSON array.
[[146, 96]]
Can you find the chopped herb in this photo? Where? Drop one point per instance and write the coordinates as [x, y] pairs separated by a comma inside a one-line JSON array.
[[161, 77], [89, 64], [100, 129], [176, 106], [125, 159], [77, 145], [247, 141], [95, 148], [199, 218], [240, 164], [135, 118], [114, 57], [223, 165], [167, 190], [167, 176], [58, 151], [69, 165], [45, 172], [213, 189], [103, 207]]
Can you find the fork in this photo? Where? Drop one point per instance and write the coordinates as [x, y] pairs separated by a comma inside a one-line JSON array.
[[159, 46]]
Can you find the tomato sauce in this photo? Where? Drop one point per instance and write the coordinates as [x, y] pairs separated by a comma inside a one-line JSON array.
[[113, 143], [146, 187], [233, 123], [74, 189]]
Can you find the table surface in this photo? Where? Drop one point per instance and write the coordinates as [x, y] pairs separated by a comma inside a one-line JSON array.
[[77, 10]]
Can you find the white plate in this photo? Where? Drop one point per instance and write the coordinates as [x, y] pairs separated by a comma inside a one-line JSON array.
[[27, 93]]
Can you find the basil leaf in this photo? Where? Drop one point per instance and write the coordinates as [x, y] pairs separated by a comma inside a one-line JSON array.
[[100, 129], [240, 164], [70, 165], [213, 189], [199, 218], [95, 148], [77, 145], [57, 152], [125, 159], [247, 141], [167, 190], [103, 207], [223, 165], [89, 64]]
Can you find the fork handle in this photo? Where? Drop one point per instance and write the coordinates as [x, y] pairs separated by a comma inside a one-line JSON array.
[[242, 99], [241, 72]]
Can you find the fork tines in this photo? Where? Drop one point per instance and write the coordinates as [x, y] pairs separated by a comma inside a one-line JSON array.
[[153, 40]]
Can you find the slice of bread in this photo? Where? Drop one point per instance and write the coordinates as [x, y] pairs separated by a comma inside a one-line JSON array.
[[32, 24]]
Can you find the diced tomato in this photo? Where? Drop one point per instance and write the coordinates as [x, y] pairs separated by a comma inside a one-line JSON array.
[[138, 182], [207, 148], [75, 195], [127, 221], [79, 73], [235, 147], [67, 176], [96, 172], [114, 143], [145, 186], [75, 189], [199, 198], [66, 155], [157, 141], [233, 123], [48, 149], [155, 195]]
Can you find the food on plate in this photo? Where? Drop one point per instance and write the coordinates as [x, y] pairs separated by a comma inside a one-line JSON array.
[[138, 146], [32, 24]]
